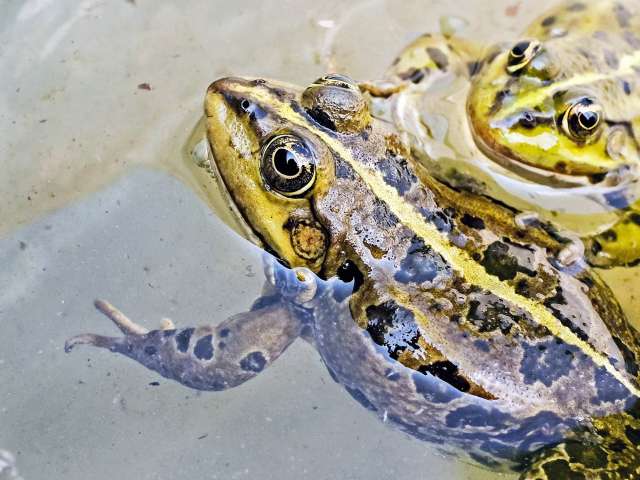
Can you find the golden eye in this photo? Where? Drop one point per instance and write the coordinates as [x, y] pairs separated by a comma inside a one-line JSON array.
[[582, 119], [521, 55], [287, 166]]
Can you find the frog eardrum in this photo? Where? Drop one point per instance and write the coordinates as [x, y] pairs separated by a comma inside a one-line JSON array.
[[336, 102]]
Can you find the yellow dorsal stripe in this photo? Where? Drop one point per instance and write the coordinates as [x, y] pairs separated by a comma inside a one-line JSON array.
[[626, 67], [456, 257]]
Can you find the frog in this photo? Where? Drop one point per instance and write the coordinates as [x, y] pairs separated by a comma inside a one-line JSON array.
[[433, 307], [553, 116]]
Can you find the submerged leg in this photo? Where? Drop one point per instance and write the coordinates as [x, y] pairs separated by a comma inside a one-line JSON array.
[[608, 450], [206, 358]]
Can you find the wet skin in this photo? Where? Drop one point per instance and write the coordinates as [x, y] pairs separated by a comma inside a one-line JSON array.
[[434, 308], [558, 107]]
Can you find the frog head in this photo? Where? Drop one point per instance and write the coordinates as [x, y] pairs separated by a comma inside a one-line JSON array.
[[545, 114], [271, 145]]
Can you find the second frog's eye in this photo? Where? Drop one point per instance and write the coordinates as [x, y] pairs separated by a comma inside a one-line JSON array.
[[521, 55], [287, 165], [582, 119]]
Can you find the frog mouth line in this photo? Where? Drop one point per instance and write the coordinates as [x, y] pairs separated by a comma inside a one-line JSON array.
[[509, 160], [247, 232]]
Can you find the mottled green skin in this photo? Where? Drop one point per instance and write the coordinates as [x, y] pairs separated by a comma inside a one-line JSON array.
[[462, 329], [588, 50]]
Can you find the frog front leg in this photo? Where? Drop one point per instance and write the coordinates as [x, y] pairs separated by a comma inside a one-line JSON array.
[[433, 55], [208, 357], [619, 245]]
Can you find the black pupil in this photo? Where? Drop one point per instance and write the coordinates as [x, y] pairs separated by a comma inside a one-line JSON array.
[[245, 104], [285, 162], [588, 119], [519, 49]]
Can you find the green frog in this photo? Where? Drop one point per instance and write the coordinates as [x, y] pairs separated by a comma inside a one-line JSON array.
[[553, 117], [434, 307]]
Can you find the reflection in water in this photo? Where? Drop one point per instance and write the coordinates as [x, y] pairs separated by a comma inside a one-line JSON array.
[[8, 469]]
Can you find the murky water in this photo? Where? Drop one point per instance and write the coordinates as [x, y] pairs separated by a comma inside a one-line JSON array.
[[97, 101]]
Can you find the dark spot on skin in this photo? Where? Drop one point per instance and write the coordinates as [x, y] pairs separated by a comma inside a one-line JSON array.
[[547, 22], [600, 35], [439, 58], [396, 172], [622, 15], [633, 434], [631, 39], [558, 300], [634, 218], [499, 262], [343, 170], [204, 348], [349, 272], [546, 364], [440, 219], [609, 389], [561, 469], [474, 68], [491, 314], [382, 215], [393, 327], [150, 350], [421, 264], [591, 456], [254, 362], [472, 222], [626, 87], [224, 333], [617, 200], [611, 59], [482, 345], [154, 384], [447, 372], [360, 398], [498, 101], [23, 245], [477, 416], [414, 75], [183, 338], [576, 7]]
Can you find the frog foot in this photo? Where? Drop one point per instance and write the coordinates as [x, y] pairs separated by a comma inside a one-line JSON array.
[[207, 357]]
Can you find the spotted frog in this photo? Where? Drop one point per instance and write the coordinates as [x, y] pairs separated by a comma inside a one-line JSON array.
[[433, 307], [553, 118]]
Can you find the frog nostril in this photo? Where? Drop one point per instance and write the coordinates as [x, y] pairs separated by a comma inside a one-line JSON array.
[[528, 120]]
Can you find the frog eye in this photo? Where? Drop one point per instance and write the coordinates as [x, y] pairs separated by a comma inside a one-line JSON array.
[[582, 119], [521, 54], [287, 166], [336, 102]]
